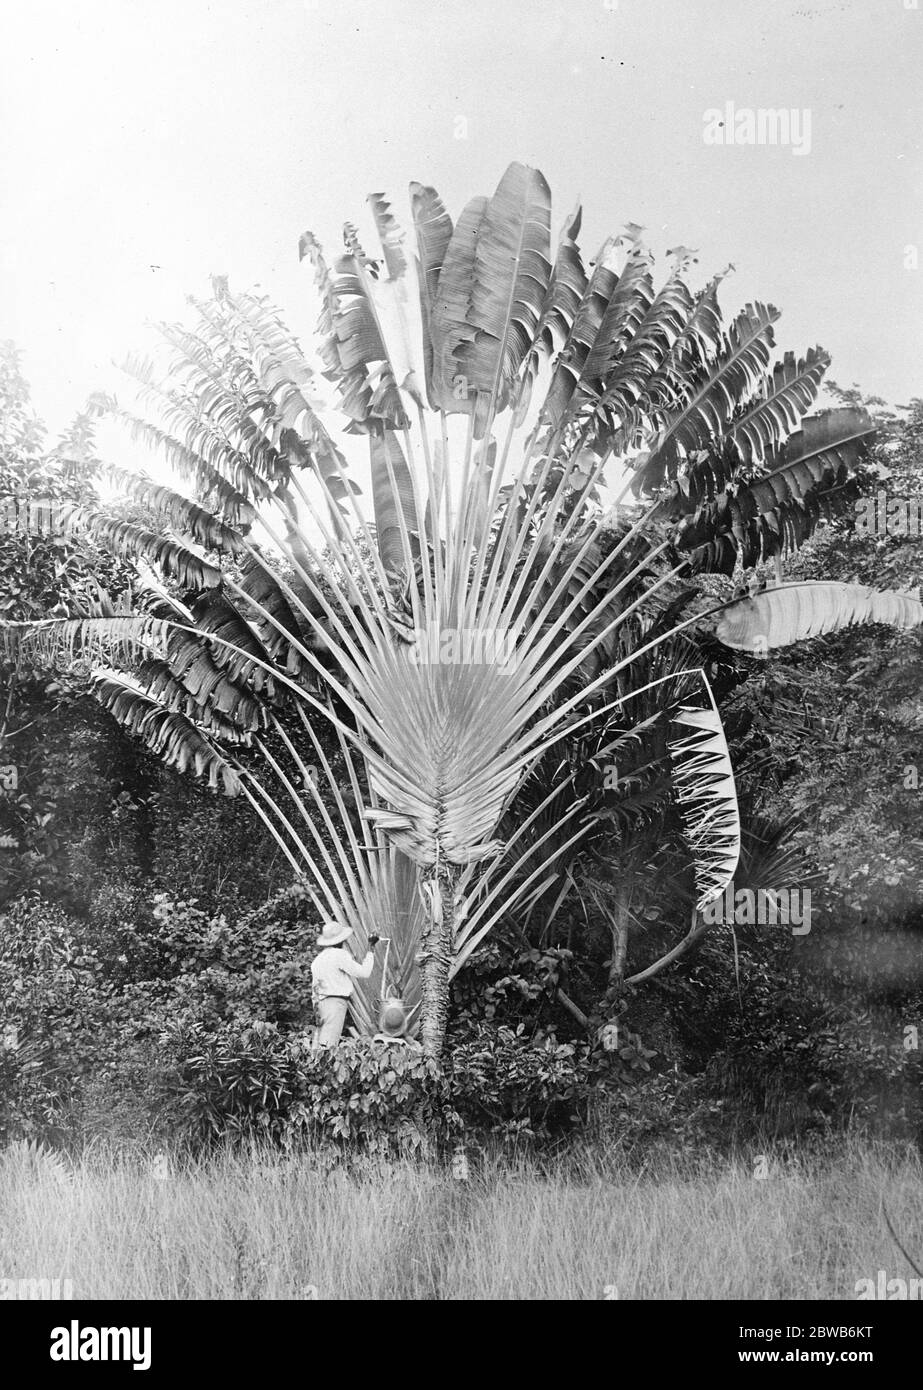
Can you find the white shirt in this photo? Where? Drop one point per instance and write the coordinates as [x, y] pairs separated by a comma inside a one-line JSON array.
[[333, 971]]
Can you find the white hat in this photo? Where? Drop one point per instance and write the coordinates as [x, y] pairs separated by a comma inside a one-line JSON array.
[[333, 934]]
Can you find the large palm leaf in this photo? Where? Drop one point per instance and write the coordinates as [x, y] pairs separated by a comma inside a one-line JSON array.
[[789, 613]]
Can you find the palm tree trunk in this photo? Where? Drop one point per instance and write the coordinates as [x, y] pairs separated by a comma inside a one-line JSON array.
[[435, 959]]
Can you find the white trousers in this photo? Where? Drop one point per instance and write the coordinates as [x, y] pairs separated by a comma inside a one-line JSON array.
[[331, 1015]]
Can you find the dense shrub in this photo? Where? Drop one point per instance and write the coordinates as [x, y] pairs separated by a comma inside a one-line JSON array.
[[783, 1053], [84, 1002], [154, 1014], [232, 1083]]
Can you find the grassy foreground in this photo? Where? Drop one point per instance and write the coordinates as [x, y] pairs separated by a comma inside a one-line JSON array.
[[261, 1226]]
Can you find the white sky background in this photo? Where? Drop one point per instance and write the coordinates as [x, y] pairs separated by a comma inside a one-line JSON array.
[[145, 144]]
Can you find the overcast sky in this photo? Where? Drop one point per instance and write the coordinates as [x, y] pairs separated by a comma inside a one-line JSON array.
[[147, 143]]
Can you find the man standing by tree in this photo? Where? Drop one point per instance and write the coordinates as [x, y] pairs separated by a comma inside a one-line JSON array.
[[333, 971]]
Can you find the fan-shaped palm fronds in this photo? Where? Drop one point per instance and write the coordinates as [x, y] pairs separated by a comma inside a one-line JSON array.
[[487, 609]]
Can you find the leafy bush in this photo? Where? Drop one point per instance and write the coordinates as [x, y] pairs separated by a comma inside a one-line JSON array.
[[232, 1083], [782, 1053], [87, 1001], [505, 1084], [155, 1015]]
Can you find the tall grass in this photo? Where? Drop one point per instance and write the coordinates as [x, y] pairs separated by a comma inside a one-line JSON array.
[[264, 1226]]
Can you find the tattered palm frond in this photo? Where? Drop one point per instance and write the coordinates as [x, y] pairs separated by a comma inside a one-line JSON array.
[[628, 405], [706, 796], [211, 415], [566, 289], [125, 539], [784, 397], [92, 640], [620, 327], [178, 512], [809, 477], [226, 720], [168, 733], [822, 452], [356, 357], [566, 393], [740, 363], [230, 490]]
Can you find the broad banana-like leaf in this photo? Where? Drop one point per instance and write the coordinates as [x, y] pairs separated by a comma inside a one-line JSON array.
[[562, 300], [564, 394], [448, 323], [511, 275], [170, 734], [125, 539], [706, 796], [433, 228], [789, 613], [393, 497], [396, 302], [627, 309]]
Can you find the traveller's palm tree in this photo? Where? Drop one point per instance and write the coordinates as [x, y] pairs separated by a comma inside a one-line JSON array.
[[460, 632]]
